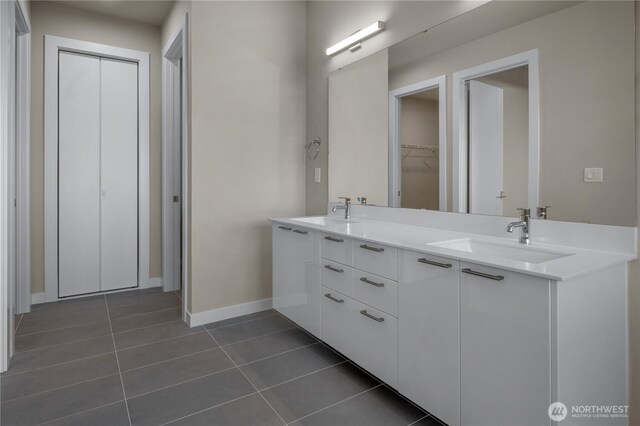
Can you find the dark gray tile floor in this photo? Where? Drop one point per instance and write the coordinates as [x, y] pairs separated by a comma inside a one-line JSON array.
[[128, 359]]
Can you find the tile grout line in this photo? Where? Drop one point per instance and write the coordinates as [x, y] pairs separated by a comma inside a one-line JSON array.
[[280, 353], [304, 375], [55, 365], [113, 339], [61, 344], [252, 338], [239, 322], [419, 420], [169, 360], [150, 312], [250, 382], [59, 328], [209, 408], [162, 340], [58, 388], [336, 403], [18, 325], [183, 382], [79, 412]]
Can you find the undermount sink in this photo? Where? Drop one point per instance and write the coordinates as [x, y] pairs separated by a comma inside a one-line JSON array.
[[323, 220], [505, 251]]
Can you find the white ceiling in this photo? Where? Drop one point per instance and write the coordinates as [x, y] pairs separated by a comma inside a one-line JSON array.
[[145, 11]]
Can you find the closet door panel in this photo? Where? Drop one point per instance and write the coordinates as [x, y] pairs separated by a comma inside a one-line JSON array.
[[119, 169], [78, 174]]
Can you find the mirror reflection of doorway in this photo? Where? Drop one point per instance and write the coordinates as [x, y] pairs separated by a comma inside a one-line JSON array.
[[419, 143], [498, 125]]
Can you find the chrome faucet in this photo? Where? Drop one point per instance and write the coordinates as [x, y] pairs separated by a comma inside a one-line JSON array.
[[523, 224], [346, 207]]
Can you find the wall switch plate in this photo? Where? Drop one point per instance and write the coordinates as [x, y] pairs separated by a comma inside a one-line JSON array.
[[318, 174], [593, 174]]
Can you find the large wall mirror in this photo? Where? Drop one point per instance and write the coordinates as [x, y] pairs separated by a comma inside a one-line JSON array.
[[513, 104]]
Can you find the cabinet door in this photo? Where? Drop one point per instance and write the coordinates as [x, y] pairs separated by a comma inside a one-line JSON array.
[[376, 343], [306, 276], [337, 321], [505, 347], [283, 288], [429, 348]]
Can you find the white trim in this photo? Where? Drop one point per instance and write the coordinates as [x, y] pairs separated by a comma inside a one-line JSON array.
[[219, 314], [37, 298], [52, 45], [175, 49], [23, 142], [395, 171], [459, 121], [155, 282], [7, 45]]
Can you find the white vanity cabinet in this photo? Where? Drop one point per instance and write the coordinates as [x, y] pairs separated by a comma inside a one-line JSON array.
[[360, 303], [429, 345], [505, 347], [296, 277]]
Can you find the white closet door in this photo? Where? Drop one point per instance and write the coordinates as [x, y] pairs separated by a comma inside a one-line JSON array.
[[119, 170], [78, 174]]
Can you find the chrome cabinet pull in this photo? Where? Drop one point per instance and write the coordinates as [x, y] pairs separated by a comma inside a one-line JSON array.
[[482, 274], [368, 281], [434, 263], [376, 249], [286, 228], [368, 315], [300, 231], [329, 296], [335, 240], [331, 268]]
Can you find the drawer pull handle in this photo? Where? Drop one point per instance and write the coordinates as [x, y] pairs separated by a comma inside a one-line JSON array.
[[300, 231], [483, 275], [368, 315], [286, 228], [329, 296], [377, 249], [335, 240], [434, 263], [331, 268], [368, 281]]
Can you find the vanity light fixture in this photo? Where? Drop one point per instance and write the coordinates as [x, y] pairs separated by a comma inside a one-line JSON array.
[[356, 38]]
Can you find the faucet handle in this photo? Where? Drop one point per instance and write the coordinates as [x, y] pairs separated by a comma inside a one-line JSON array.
[[347, 200], [542, 211], [524, 212]]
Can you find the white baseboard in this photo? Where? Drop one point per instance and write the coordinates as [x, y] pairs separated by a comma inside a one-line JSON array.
[[37, 298], [227, 312], [155, 282]]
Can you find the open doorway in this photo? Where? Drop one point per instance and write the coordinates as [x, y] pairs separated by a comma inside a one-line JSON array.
[[417, 145], [174, 164], [495, 119]]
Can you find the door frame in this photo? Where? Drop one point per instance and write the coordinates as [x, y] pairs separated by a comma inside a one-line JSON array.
[[13, 19], [175, 49], [23, 149], [460, 117], [395, 152], [53, 45]]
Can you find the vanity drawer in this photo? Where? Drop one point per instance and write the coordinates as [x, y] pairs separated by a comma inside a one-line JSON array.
[[377, 259], [337, 248], [337, 322], [376, 343], [336, 276], [381, 293]]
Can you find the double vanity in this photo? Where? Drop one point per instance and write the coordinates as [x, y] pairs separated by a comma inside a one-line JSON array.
[[457, 315]]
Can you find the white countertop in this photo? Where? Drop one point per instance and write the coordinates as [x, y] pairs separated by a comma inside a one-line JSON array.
[[578, 261]]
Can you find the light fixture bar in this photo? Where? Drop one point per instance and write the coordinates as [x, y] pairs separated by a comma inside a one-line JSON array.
[[357, 37]]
